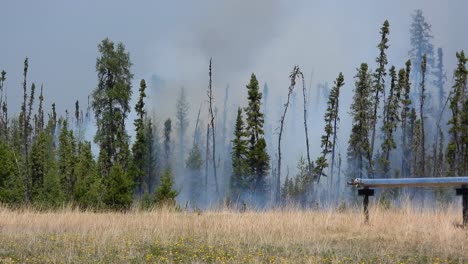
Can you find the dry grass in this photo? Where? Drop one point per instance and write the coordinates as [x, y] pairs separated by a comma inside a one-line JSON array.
[[285, 236]]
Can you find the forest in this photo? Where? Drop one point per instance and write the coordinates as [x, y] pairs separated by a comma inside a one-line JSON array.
[[407, 120]]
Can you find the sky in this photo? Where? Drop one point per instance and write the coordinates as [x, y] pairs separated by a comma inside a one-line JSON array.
[[171, 43]]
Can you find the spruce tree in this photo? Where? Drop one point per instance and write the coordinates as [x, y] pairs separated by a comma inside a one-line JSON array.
[[359, 153], [139, 148], [152, 160], [457, 131], [258, 159], [391, 118], [421, 113], [182, 122], [328, 139], [167, 142], [240, 167], [378, 87], [421, 37], [111, 105], [88, 187], [119, 189], [405, 114], [165, 194], [440, 78], [11, 187], [334, 104], [67, 161]]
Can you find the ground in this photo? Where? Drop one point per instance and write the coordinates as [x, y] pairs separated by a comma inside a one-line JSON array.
[[402, 235]]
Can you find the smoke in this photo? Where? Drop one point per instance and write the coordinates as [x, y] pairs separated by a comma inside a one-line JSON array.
[[171, 43]]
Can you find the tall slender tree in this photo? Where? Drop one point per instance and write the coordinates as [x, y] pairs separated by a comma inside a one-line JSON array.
[[456, 149], [359, 153], [258, 159], [421, 112], [182, 108], [440, 78], [139, 148], [405, 114], [111, 105], [391, 118], [421, 37], [378, 87], [240, 168]]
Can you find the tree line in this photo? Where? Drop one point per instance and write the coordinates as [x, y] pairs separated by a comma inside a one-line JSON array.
[[404, 124]]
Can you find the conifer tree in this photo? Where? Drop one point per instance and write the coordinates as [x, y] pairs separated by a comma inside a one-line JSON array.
[[67, 161], [153, 154], [258, 159], [421, 113], [328, 139], [405, 113], [139, 147], [440, 78], [167, 142], [391, 118], [165, 194], [119, 189], [111, 105], [240, 167], [334, 104], [421, 45], [378, 87], [359, 154], [182, 109], [11, 188], [88, 187], [457, 131]]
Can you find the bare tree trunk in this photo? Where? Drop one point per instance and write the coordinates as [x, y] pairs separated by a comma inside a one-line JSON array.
[[309, 164], [210, 99], [207, 153], [292, 76]]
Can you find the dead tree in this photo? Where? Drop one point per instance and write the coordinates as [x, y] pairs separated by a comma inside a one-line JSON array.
[[309, 164], [292, 77], [212, 122]]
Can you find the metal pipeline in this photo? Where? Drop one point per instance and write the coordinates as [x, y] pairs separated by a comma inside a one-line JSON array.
[[411, 182]]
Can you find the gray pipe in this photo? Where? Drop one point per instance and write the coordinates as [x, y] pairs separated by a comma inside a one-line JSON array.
[[411, 182]]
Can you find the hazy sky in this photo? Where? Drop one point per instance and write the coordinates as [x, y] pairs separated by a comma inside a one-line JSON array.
[[172, 41]]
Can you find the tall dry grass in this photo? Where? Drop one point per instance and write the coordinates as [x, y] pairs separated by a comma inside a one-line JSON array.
[[287, 235]]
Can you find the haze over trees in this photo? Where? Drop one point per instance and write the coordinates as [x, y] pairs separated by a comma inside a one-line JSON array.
[[405, 121]]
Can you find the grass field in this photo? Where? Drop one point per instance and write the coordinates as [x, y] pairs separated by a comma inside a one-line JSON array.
[[283, 236]]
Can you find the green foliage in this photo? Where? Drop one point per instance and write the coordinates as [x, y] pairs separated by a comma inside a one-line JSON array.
[[111, 104], [118, 189], [240, 167], [139, 148], [257, 157], [88, 187], [457, 149], [405, 117], [11, 186], [331, 119], [379, 81], [391, 118], [67, 161], [165, 194], [359, 155]]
